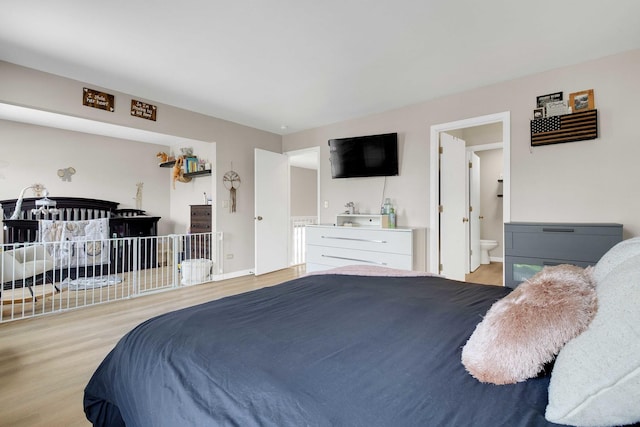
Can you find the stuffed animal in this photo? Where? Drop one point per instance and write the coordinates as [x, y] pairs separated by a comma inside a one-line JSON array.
[[162, 156], [178, 172]]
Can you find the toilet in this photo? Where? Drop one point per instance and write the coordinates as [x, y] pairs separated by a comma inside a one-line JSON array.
[[485, 247]]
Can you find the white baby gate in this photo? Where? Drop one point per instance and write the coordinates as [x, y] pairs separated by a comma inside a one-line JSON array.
[[41, 278]]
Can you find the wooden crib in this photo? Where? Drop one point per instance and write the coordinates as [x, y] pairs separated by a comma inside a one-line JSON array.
[[123, 223]]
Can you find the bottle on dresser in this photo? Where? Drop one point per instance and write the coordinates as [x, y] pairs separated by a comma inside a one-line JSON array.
[[386, 207]]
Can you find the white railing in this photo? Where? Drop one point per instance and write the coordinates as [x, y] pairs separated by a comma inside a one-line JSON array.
[[41, 278], [298, 224]]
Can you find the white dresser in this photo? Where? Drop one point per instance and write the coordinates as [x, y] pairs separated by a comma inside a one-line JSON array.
[[328, 246]]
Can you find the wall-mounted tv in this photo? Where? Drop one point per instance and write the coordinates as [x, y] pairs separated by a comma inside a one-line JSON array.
[[360, 156]]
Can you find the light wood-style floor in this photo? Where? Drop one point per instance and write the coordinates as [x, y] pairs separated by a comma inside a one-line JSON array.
[[46, 361], [487, 274]]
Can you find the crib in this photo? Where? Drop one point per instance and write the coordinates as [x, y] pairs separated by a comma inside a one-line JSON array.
[[125, 260]]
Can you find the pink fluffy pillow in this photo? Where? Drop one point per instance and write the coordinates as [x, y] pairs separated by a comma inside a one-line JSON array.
[[526, 329]]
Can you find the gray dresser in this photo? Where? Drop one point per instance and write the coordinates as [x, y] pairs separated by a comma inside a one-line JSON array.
[[529, 246]]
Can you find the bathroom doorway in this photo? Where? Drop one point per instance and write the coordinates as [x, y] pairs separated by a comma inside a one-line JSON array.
[[483, 137], [485, 205]]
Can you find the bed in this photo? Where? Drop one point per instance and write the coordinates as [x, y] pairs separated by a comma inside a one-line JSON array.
[[320, 350]]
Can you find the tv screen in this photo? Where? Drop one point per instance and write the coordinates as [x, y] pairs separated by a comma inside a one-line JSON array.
[[361, 156]]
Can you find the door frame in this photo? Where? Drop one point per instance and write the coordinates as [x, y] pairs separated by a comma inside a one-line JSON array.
[[434, 180], [473, 232], [316, 152], [305, 152]]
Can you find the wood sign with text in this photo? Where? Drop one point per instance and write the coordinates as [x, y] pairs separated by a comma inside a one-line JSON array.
[[143, 110], [96, 99]]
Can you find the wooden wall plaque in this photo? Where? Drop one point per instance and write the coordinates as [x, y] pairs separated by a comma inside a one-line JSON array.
[[143, 110], [96, 99], [565, 128]]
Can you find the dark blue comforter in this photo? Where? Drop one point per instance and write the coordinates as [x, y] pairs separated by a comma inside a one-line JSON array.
[[328, 350]]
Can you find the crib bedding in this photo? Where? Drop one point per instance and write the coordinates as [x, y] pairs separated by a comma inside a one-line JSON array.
[[322, 350]]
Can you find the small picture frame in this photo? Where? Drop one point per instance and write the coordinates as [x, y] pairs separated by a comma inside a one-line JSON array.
[[538, 113], [542, 100], [556, 108], [582, 101]]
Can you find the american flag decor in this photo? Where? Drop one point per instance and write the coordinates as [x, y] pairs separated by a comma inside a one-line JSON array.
[[565, 128]]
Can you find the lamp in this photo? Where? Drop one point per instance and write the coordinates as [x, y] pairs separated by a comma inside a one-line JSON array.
[[44, 205]]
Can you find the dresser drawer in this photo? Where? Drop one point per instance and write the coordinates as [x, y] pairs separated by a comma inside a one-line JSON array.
[[200, 227], [200, 211], [570, 242], [340, 257], [519, 269], [200, 219], [377, 240]]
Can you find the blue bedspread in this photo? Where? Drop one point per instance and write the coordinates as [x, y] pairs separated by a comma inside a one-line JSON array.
[[326, 350]]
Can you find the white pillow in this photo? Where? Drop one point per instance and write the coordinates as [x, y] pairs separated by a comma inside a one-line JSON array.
[[596, 377], [615, 256]]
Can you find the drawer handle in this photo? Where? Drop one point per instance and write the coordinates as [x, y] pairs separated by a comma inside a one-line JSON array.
[[355, 240], [354, 259], [558, 230]]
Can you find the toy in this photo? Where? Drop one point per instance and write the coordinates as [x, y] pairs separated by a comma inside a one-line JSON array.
[[162, 156], [178, 172]]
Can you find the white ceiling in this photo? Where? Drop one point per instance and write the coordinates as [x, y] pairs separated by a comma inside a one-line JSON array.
[[307, 63]]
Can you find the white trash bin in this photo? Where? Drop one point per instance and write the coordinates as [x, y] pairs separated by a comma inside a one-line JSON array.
[[195, 271]]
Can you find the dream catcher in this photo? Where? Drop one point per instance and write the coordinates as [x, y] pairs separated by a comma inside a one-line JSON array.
[[231, 182]]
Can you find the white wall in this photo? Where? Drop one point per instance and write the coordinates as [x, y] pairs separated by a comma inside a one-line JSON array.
[[233, 143], [106, 168], [581, 181], [304, 193], [589, 181]]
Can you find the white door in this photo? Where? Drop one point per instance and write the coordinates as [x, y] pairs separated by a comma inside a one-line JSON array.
[[271, 211], [474, 211], [453, 217]]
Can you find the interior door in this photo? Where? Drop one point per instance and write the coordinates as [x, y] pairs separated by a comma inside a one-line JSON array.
[[271, 211], [453, 215], [474, 211]]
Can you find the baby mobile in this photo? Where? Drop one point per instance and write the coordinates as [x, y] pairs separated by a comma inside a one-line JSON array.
[[231, 181]]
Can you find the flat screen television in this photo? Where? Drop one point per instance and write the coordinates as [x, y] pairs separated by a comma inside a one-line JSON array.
[[361, 156]]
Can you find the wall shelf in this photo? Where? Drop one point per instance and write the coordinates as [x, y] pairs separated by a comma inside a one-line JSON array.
[[362, 220], [170, 164], [198, 173], [579, 126]]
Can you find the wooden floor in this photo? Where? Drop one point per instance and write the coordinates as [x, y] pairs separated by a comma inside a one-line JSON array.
[[46, 361], [487, 274], [49, 300]]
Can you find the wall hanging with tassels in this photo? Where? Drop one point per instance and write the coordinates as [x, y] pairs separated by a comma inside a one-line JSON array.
[[231, 181]]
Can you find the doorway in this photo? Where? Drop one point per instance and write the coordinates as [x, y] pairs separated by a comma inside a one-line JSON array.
[[439, 232], [304, 210]]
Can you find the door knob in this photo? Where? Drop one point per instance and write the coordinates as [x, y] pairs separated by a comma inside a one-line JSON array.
[[259, 218], [465, 219]]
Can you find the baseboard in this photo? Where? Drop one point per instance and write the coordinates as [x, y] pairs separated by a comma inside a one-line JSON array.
[[496, 259], [232, 275]]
